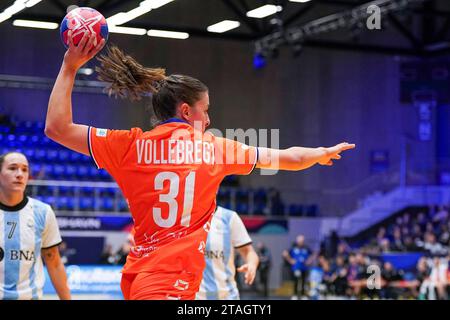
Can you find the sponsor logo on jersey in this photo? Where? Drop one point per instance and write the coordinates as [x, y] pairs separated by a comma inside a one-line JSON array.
[[101, 132], [27, 255], [181, 285]]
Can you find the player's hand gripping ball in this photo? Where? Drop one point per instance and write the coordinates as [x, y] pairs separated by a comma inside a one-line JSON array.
[[81, 20]]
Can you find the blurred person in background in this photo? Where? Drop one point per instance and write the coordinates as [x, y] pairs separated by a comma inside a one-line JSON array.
[[434, 285], [389, 275], [438, 276], [31, 234], [397, 241], [298, 257], [107, 256], [227, 234], [423, 272], [122, 254], [66, 252], [338, 278], [431, 246], [265, 264]]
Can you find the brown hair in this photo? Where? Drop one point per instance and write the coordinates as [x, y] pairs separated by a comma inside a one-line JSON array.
[[3, 157], [127, 78]]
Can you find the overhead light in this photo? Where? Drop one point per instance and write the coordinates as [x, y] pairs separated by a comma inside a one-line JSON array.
[[117, 19], [301, 1], [167, 34], [4, 17], [127, 30], [223, 26], [85, 71], [31, 3], [35, 24], [155, 4], [264, 11], [143, 8], [16, 7]]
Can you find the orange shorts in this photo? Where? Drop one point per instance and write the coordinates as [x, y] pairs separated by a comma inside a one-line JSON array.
[[159, 286]]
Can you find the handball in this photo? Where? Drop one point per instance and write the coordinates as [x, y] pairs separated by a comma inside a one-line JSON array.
[[79, 21]]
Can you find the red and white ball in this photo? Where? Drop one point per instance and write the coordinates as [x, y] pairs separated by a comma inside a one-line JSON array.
[[81, 20]]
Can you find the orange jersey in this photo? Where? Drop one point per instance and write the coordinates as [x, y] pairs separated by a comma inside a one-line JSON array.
[[170, 177]]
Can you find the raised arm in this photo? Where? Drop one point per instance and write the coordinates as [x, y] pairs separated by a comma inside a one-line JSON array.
[[298, 158], [59, 125]]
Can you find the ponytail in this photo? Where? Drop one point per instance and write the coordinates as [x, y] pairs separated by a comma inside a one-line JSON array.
[[127, 78]]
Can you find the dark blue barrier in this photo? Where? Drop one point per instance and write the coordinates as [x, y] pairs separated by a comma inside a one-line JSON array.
[[404, 261]]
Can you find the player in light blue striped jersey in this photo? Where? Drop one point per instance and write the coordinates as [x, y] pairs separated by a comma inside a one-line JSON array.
[[28, 233], [226, 233]]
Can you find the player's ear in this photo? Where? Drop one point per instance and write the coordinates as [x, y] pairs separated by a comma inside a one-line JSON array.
[[185, 111]]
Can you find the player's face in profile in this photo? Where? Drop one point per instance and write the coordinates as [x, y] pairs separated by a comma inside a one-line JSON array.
[[200, 111], [14, 173]]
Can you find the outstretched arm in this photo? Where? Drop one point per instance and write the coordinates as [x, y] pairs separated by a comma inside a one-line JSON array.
[[59, 125], [298, 158]]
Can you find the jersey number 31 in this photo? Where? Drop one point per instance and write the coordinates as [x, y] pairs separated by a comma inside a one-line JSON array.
[[170, 199]]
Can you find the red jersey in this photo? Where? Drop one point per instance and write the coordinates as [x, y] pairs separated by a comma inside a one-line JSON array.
[[170, 177]]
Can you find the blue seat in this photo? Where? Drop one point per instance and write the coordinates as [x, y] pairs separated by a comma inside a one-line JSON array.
[[35, 169], [5, 129], [260, 195], [74, 156], [104, 175], [23, 127], [107, 204], [87, 191], [29, 153], [82, 172], [40, 155], [63, 155], [86, 203], [224, 193], [93, 173], [295, 210], [62, 202], [44, 142], [242, 193], [259, 208], [38, 127], [48, 171], [22, 140], [242, 208], [58, 172], [33, 141], [71, 203], [51, 200], [224, 203], [66, 191], [123, 205], [40, 198], [52, 155], [86, 159], [108, 192], [70, 171], [311, 210], [11, 141], [66, 203]]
